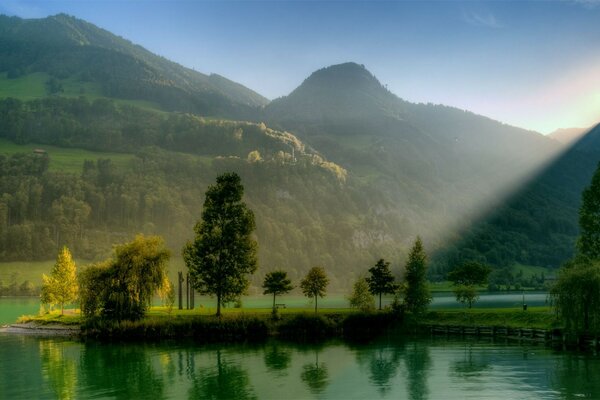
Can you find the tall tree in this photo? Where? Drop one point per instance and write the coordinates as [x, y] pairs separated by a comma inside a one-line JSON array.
[[465, 277], [576, 293], [381, 280], [277, 283], [315, 283], [417, 296], [61, 286], [588, 243], [224, 251]]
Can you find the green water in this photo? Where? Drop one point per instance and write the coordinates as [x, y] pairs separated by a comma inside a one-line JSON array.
[[41, 368], [12, 308]]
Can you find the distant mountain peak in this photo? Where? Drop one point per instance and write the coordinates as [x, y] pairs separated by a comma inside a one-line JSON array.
[[342, 92], [348, 74]]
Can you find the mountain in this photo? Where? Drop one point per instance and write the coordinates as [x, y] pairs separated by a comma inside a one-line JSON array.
[[437, 166], [568, 135], [341, 172], [80, 58]]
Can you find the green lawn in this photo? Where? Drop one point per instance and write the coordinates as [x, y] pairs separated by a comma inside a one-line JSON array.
[[21, 271], [64, 159], [534, 317]]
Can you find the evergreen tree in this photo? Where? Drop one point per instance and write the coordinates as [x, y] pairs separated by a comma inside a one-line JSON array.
[[277, 283], [588, 243], [314, 284], [381, 280], [61, 286], [223, 252], [417, 296]]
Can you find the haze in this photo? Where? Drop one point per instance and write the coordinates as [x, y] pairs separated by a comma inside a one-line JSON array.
[[529, 64]]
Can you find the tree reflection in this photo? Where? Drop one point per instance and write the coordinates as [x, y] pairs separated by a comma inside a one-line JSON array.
[[315, 375], [383, 366], [418, 363], [58, 369], [277, 358], [576, 376], [121, 371], [469, 366], [228, 381]]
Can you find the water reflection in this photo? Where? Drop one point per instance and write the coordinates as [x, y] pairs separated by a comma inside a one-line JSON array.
[[418, 362], [315, 375], [277, 358], [228, 381], [389, 369], [122, 371], [470, 366], [59, 368]]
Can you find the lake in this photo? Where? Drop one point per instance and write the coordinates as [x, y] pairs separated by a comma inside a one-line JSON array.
[[390, 368], [13, 307]]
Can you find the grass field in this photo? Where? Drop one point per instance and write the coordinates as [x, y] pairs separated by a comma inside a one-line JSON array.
[[65, 159], [534, 317], [33, 86]]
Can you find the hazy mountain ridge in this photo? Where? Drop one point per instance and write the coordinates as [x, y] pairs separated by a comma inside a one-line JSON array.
[[568, 135]]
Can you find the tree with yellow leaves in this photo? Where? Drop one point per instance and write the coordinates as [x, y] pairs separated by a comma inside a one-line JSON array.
[[61, 286]]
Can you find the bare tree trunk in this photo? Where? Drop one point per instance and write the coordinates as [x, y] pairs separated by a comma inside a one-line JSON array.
[[218, 305], [316, 300]]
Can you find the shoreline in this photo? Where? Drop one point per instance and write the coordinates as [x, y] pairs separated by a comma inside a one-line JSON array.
[[36, 329]]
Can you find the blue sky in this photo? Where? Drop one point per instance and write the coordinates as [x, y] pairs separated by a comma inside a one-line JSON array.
[[530, 64]]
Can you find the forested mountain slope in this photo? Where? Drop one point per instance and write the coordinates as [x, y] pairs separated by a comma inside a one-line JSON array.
[[450, 173], [80, 58]]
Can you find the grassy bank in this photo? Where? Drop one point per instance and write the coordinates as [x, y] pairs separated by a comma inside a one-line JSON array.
[[303, 325], [534, 317], [234, 325]]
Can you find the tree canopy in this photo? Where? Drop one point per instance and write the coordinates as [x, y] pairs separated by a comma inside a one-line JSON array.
[[61, 286], [315, 283], [361, 297], [381, 280], [277, 283], [122, 288], [223, 252], [588, 244], [417, 296], [465, 277]]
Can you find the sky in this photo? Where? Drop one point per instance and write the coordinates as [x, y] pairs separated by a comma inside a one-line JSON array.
[[535, 65]]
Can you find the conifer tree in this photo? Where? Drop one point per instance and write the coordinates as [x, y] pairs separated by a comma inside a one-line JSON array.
[[417, 296], [588, 243]]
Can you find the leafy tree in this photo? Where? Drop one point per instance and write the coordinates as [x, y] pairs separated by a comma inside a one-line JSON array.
[[224, 251], [361, 297], [381, 280], [122, 288], [576, 295], [61, 286], [466, 294], [277, 283], [465, 277], [588, 243], [314, 284], [417, 296]]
